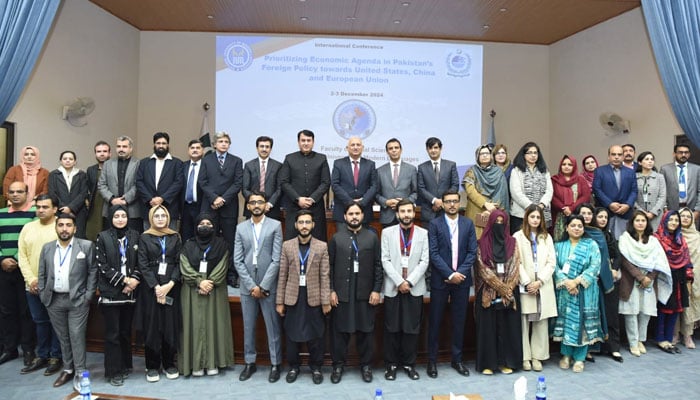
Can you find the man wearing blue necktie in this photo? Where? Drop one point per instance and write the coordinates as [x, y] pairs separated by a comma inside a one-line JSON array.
[[682, 181]]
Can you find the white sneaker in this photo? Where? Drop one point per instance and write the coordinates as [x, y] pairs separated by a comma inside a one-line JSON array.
[[152, 375], [199, 372], [172, 373], [213, 371]]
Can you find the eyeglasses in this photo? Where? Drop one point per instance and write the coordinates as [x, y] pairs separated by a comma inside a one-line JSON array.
[[532, 153], [484, 154], [256, 202], [450, 201], [501, 153]]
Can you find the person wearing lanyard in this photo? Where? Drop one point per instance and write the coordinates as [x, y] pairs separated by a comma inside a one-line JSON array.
[[303, 296], [405, 259], [118, 279], [67, 283], [207, 342], [158, 312], [256, 256]]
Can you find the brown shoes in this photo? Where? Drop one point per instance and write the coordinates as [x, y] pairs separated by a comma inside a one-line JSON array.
[[64, 378]]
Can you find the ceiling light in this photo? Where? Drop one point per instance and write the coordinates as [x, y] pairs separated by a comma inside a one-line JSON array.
[[397, 21], [503, 10], [210, 16], [350, 18], [486, 27], [405, 4], [304, 18]]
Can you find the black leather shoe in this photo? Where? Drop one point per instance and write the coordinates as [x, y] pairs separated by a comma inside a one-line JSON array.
[[590, 358], [432, 370], [274, 373], [367, 373], [292, 375], [411, 372], [28, 357], [55, 365], [337, 374], [676, 350], [317, 376], [460, 368], [8, 356], [64, 378], [247, 372], [390, 373], [37, 363], [617, 357]]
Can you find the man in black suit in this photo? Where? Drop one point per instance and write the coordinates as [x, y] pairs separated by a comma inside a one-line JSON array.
[[267, 181], [305, 179], [95, 223], [354, 180], [221, 179], [159, 180], [191, 191], [435, 177]]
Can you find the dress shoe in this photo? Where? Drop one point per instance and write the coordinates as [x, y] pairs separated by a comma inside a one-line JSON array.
[[390, 373], [64, 378], [54, 366], [676, 350], [666, 346], [432, 370], [460, 368], [617, 356], [536, 365], [28, 356], [292, 375], [274, 373], [7, 356], [37, 363], [590, 358], [117, 380], [634, 350], [487, 371], [317, 376], [505, 370], [337, 374], [367, 373], [527, 365], [411, 372], [247, 372], [642, 348]]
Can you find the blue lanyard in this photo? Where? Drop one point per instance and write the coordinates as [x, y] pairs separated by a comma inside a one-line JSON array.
[[406, 243], [162, 247], [302, 260], [123, 244], [357, 252], [533, 239], [204, 256], [62, 259]]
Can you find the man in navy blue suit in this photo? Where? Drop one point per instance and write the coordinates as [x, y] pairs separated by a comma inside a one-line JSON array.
[[191, 191], [159, 180], [354, 180], [435, 177], [615, 188], [452, 241]]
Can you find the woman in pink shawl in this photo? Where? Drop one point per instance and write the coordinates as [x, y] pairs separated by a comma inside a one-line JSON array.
[[29, 171], [570, 191], [589, 164]]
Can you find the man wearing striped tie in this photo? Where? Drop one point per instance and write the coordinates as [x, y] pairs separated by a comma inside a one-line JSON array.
[[260, 174]]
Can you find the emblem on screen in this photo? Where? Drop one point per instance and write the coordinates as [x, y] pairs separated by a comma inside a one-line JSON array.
[[458, 63], [354, 118], [238, 56]]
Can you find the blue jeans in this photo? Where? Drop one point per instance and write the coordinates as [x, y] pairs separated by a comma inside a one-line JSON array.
[[48, 345]]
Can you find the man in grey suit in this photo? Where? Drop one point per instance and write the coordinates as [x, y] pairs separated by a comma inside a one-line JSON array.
[[117, 183], [682, 181], [265, 182], [67, 283], [396, 180], [405, 258], [435, 177], [256, 257], [354, 180]]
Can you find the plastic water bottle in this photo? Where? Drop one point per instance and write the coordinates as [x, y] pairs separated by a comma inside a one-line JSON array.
[[378, 394], [541, 391], [85, 390]]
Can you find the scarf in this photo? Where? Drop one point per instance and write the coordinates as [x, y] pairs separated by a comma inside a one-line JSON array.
[[568, 189], [490, 181], [598, 236], [30, 171], [588, 176], [496, 245], [534, 187], [120, 232], [165, 231], [648, 256], [674, 245], [194, 248]]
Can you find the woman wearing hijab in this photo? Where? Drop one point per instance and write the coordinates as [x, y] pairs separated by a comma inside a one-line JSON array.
[[29, 171], [646, 277], [498, 328], [578, 322], [158, 310], [119, 276], [530, 183], [69, 185], [537, 301], [570, 191], [651, 189], [671, 238], [486, 187], [207, 342], [691, 314]]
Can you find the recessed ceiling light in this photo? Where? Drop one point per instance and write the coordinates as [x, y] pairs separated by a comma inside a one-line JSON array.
[[304, 18], [503, 10], [486, 27], [210, 16], [397, 21], [405, 4], [350, 18]]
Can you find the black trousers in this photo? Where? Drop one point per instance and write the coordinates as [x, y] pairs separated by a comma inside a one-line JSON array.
[[400, 348], [364, 341], [612, 316], [315, 348], [117, 346], [16, 325], [188, 215], [164, 357]]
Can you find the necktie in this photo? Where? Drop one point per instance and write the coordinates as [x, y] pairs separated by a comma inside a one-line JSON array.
[[396, 174], [189, 193], [355, 172], [221, 161], [454, 242], [436, 169], [681, 182], [263, 171]]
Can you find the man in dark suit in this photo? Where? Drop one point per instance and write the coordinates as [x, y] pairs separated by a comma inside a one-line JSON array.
[[95, 222], [221, 179], [192, 192], [435, 177], [396, 180], [117, 183], [159, 180], [265, 182], [305, 179], [354, 180], [67, 283], [452, 241], [682, 182], [615, 188]]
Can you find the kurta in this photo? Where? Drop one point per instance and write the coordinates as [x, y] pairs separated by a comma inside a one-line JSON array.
[[578, 323], [479, 193], [207, 341]]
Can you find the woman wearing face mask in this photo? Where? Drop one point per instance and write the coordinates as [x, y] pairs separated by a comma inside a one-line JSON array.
[[497, 314], [206, 338], [69, 185], [158, 311], [651, 189], [691, 314], [29, 171], [119, 276]]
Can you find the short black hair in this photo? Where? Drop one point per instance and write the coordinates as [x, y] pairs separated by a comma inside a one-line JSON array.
[[451, 192], [102, 143], [386, 146], [350, 205], [194, 141], [269, 139], [629, 145], [161, 135], [45, 196], [432, 141], [256, 193], [301, 213], [305, 132], [70, 216], [404, 202], [677, 145], [64, 152]]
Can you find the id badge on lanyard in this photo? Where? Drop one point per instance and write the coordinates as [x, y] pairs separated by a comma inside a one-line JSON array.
[[162, 265], [203, 262]]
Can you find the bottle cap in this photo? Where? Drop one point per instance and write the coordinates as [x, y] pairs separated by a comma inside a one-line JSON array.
[[86, 374], [378, 392], [541, 378]]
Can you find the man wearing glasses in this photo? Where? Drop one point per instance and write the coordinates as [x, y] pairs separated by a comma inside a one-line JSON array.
[[682, 181]]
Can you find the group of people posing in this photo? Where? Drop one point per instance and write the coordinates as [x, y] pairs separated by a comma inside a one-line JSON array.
[[558, 257]]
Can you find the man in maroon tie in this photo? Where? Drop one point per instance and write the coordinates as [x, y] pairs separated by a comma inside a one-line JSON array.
[[260, 174], [353, 180]]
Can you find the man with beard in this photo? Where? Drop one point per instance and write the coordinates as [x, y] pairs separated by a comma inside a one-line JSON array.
[[356, 281], [628, 156], [159, 180], [682, 181], [95, 223], [303, 296], [405, 258], [256, 257], [192, 193], [67, 283], [117, 183]]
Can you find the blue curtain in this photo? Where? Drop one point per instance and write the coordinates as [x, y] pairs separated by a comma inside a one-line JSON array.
[[24, 25], [674, 29]]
